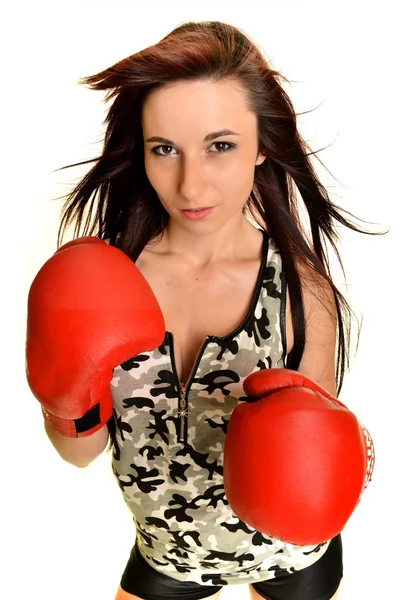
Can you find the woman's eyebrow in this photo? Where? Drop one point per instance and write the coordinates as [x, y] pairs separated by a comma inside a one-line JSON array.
[[208, 138]]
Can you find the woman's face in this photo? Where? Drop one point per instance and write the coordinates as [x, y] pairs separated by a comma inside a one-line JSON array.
[[188, 171]]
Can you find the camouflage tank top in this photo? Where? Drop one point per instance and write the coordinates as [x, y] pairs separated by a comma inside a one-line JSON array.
[[168, 459]]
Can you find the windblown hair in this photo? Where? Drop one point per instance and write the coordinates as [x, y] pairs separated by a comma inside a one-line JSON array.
[[117, 197]]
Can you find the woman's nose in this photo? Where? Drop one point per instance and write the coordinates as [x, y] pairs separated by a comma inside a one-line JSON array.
[[192, 176]]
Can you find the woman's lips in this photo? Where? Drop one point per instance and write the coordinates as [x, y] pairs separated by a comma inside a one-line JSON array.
[[194, 215]]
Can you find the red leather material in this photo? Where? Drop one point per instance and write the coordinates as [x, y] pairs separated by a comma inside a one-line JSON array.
[[89, 310], [296, 460]]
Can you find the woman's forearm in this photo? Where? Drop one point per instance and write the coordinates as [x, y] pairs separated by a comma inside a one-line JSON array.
[[79, 452]]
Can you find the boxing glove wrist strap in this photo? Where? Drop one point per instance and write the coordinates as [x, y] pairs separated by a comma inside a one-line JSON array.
[[86, 425]]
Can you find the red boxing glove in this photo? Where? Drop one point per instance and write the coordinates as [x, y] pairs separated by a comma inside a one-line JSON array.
[[89, 310], [296, 460]]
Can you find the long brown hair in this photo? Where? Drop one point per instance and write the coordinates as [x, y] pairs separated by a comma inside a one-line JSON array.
[[117, 197]]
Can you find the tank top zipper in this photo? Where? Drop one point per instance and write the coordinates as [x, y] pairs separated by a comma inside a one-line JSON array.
[[184, 389]]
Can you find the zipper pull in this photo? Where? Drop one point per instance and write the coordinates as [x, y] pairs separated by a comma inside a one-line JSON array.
[[182, 413]]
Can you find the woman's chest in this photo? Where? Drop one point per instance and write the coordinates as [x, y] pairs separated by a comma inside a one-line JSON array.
[[203, 315], [201, 304]]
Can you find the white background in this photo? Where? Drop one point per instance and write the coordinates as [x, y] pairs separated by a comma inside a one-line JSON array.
[[65, 532]]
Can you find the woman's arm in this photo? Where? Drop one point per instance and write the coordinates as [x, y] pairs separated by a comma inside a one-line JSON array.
[[318, 360], [79, 452]]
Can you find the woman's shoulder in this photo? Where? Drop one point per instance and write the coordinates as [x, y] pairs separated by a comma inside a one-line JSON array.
[[317, 291]]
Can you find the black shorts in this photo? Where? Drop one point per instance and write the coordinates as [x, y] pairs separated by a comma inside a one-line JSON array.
[[317, 582]]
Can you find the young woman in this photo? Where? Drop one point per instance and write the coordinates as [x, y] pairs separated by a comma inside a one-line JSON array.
[[196, 184]]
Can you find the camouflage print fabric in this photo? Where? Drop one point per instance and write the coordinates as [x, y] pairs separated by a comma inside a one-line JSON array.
[[169, 466]]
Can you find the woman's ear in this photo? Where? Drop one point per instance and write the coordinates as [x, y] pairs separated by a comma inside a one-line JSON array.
[[260, 159]]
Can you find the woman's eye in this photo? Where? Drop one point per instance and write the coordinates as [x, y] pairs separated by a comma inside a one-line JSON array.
[[228, 146], [223, 144], [157, 148]]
